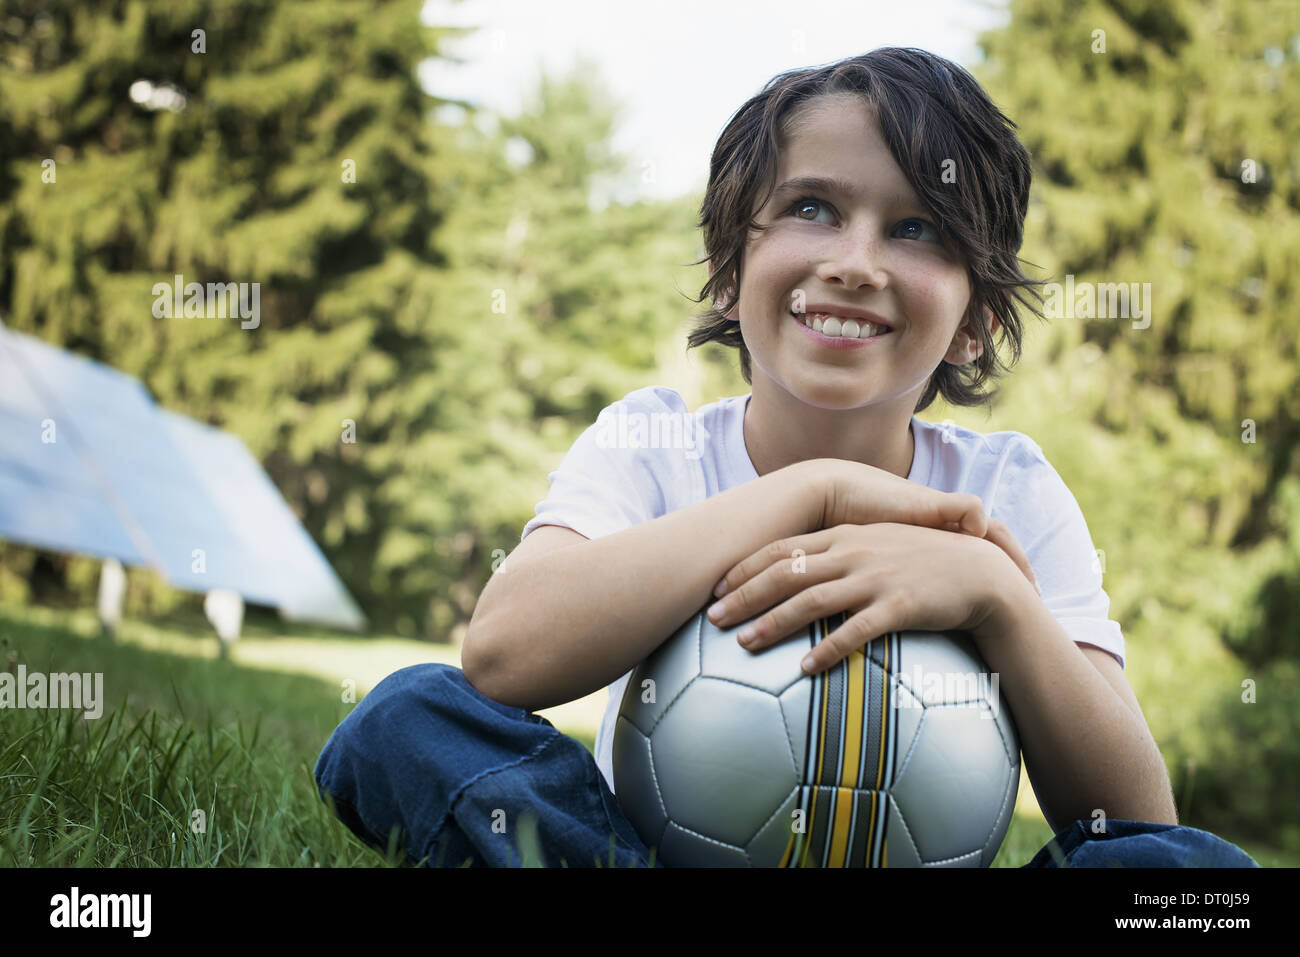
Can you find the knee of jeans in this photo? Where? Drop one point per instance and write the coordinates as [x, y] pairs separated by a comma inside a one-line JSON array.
[[414, 695], [1144, 844], [405, 690], [385, 707]]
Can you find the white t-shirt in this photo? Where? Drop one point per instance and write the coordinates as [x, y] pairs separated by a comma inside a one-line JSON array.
[[647, 455]]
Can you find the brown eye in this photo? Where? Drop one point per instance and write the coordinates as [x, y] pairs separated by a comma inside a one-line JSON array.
[[804, 203]]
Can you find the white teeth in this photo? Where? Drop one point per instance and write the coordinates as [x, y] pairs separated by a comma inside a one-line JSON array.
[[834, 327]]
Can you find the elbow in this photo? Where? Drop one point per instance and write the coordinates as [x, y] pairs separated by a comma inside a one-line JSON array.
[[477, 662], [481, 663]]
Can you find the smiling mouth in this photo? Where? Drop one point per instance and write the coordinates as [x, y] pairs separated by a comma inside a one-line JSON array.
[[834, 327]]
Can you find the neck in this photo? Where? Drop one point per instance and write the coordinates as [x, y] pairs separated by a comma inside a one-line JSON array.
[[780, 430]]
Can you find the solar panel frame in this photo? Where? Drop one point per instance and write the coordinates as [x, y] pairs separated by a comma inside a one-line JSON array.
[[130, 480]]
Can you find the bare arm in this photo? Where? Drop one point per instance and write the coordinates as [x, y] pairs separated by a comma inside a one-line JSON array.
[[558, 625], [560, 620], [1086, 742]]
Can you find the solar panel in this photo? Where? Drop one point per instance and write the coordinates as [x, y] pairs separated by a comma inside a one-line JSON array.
[[284, 558], [49, 496], [124, 478]]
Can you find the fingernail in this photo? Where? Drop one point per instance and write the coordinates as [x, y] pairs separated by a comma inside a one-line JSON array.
[[720, 589], [808, 663], [716, 610]]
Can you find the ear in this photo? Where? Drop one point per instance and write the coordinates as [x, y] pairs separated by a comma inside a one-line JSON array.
[[966, 346]]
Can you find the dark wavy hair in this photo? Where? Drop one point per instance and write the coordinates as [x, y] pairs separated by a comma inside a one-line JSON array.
[[930, 110]]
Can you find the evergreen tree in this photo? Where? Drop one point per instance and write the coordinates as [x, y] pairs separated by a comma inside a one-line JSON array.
[[437, 322], [548, 310], [282, 144]]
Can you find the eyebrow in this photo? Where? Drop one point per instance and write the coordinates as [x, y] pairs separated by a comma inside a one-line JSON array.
[[830, 185], [816, 184]]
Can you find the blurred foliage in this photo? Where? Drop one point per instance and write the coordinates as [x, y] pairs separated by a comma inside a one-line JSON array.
[[457, 308], [467, 304], [243, 184]]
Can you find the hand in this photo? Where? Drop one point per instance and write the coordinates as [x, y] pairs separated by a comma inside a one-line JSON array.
[[858, 494], [890, 576]]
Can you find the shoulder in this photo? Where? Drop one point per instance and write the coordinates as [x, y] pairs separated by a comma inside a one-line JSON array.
[[971, 443], [642, 419], [651, 398], [963, 459], [652, 433], [1028, 484], [1008, 470], [625, 468]]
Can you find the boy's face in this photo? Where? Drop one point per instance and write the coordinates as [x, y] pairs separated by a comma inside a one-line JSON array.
[[876, 249]]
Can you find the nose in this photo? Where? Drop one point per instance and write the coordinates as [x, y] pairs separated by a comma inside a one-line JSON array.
[[856, 259]]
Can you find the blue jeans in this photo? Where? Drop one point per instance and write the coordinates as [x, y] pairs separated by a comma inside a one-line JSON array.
[[456, 777]]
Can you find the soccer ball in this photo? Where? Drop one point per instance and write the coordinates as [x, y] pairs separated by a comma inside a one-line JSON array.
[[904, 754]]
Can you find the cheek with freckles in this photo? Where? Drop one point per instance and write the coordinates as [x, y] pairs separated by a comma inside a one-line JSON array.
[[941, 299], [775, 264]]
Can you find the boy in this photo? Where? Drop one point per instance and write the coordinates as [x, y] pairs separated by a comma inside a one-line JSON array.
[[861, 224]]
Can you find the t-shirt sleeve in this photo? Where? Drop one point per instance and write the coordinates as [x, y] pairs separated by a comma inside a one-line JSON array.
[[613, 477], [1042, 513]]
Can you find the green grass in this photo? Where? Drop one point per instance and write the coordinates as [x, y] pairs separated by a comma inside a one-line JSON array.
[[184, 730], [177, 735]]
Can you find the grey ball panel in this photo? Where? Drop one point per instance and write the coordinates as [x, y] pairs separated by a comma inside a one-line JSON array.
[[1011, 777], [955, 780], [682, 848], [908, 712], [636, 791], [938, 653], [794, 709], [672, 666], [774, 669], [722, 760], [900, 846], [768, 846]]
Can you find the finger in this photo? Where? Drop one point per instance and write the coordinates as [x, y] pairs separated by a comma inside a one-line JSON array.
[[954, 511], [1001, 536], [783, 549], [867, 625], [775, 583], [792, 616], [750, 566]]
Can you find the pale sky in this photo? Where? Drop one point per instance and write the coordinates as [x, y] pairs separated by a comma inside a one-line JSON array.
[[680, 68]]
